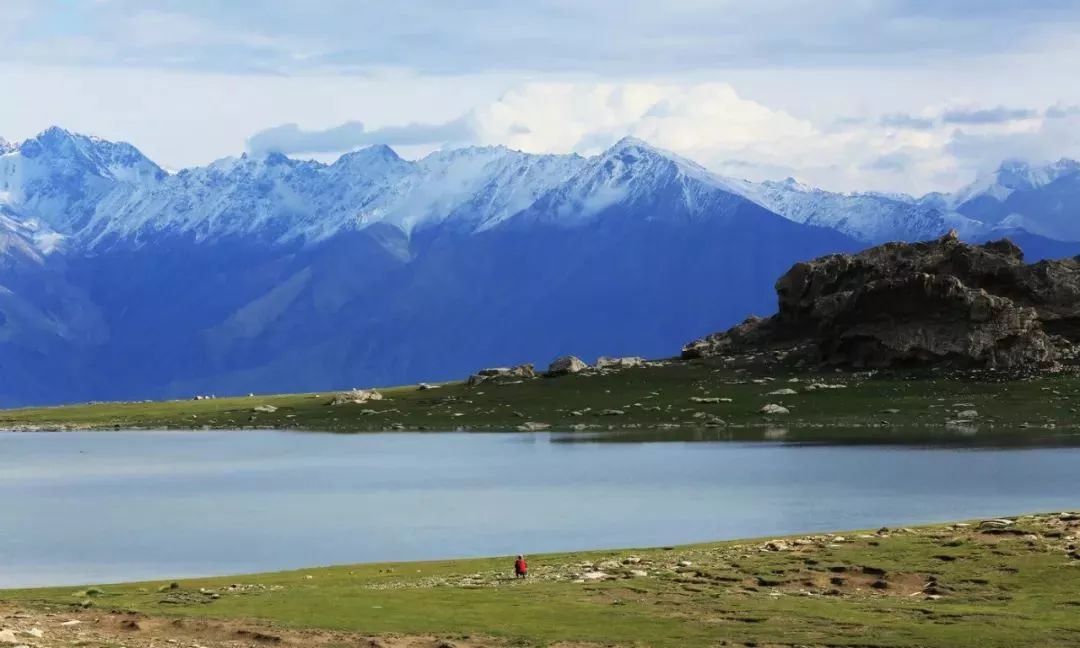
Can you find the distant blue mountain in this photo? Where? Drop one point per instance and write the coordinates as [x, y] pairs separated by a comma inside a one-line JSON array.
[[120, 281]]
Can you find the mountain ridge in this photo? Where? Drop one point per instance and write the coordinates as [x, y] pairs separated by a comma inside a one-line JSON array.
[[313, 200]]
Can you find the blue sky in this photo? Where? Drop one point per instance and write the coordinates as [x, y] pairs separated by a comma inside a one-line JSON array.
[[889, 94]]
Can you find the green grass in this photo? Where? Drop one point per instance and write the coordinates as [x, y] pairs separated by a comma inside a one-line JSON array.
[[995, 591], [650, 398]]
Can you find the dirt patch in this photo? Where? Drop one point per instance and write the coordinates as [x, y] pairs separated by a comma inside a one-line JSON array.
[[83, 628]]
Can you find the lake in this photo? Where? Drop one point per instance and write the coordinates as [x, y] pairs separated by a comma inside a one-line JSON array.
[[81, 507]]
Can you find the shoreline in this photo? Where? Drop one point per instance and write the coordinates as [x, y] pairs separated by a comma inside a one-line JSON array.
[[542, 554], [926, 585], [678, 396]]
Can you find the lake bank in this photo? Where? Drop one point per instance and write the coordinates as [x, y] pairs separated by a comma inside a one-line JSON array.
[[986, 583], [671, 395]]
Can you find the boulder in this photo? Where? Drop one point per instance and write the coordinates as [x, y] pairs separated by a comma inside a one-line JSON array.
[[786, 391], [772, 409], [566, 365], [905, 304]]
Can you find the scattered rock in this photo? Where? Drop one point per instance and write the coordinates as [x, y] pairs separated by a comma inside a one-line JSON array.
[[772, 409], [533, 426], [786, 391], [269, 409], [967, 414], [612, 412]]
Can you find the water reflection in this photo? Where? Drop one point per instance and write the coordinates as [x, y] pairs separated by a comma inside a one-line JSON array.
[[966, 436]]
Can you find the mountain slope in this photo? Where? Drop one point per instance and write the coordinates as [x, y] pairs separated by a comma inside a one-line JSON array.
[[279, 199], [869, 217], [1042, 200], [60, 178]]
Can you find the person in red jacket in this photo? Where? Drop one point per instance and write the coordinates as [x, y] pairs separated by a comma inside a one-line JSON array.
[[521, 568]]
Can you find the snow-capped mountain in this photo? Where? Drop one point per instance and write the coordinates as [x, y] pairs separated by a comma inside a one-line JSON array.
[[1012, 176], [60, 178], [261, 273], [1043, 200], [285, 200], [98, 193], [870, 217], [636, 179]]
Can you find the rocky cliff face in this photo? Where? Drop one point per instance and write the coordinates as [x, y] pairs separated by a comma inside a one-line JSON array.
[[900, 304]]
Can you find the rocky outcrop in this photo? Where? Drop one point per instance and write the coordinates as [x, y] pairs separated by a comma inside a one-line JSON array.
[[503, 374], [901, 304]]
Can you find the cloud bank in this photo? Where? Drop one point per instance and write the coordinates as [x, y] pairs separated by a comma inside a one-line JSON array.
[[290, 138], [937, 149], [440, 36]]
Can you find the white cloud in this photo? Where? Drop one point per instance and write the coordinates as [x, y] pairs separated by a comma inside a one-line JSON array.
[[182, 119], [712, 124], [290, 138]]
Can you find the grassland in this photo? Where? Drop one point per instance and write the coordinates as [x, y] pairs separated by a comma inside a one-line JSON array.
[[982, 584], [655, 398]]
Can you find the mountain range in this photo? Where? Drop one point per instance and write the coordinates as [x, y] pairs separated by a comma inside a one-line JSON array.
[[120, 280]]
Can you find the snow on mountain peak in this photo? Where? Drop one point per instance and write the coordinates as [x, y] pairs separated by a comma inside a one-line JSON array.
[[94, 191], [1014, 175]]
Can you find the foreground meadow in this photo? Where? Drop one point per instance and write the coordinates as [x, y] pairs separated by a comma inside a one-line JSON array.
[[1007, 582]]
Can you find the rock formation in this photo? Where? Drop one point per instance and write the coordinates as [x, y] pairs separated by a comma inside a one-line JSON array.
[[911, 304], [503, 374]]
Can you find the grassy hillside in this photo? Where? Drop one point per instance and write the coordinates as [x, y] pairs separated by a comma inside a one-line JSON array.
[[680, 397], [995, 583]]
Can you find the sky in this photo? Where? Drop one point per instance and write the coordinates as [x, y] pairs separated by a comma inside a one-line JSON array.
[[891, 95]]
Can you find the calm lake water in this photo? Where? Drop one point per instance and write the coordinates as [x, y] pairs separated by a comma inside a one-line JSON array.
[[112, 506]]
